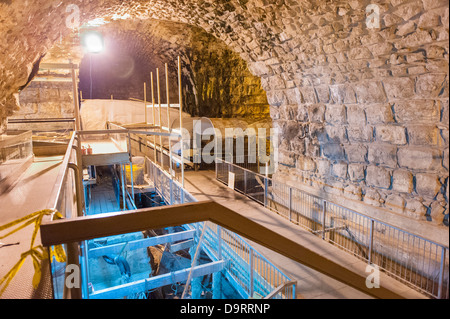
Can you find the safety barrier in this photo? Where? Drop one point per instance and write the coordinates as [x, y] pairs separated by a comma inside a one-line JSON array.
[[414, 260], [249, 270]]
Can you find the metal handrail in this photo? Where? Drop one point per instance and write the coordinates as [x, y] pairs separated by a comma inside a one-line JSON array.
[[287, 195], [60, 179], [280, 288]]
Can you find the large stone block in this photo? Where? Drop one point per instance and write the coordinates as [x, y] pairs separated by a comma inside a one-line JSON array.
[[383, 155], [342, 93], [336, 114], [323, 167], [415, 209], [419, 158], [391, 134], [336, 134], [339, 170], [316, 112], [294, 96], [317, 132], [423, 134], [395, 203], [305, 163], [372, 197], [399, 88], [430, 85], [379, 113], [416, 111], [356, 153], [378, 176], [353, 192], [276, 98], [333, 151], [402, 181], [427, 185], [360, 133], [356, 172], [370, 92], [356, 115]]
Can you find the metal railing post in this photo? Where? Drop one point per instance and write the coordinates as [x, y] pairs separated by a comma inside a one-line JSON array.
[[290, 203], [245, 182], [250, 251], [171, 191], [324, 210], [371, 240], [265, 191], [441, 273], [219, 242]]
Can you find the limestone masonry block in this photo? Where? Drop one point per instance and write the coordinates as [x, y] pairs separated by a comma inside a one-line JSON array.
[[336, 114], [419, 158], [402, 181], [383, 155], [356, 172], [391, 134], [339, 170], [378, 176], [423, 134], [356, 153], [417, 111], [427, 184]]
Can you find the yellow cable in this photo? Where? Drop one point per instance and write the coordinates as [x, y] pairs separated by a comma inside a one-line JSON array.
[[37, 253]]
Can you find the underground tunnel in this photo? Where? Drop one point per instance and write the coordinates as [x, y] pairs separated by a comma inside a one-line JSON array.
[[323, 124]]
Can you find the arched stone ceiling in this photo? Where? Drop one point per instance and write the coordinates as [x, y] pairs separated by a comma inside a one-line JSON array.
[[363, 110]]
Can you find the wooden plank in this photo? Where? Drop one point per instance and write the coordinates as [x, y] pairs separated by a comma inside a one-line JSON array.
[[106, 159], [141, 243], [57, 66], [158, 281]]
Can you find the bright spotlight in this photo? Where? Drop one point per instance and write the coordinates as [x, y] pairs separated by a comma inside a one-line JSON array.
[[93, 42]]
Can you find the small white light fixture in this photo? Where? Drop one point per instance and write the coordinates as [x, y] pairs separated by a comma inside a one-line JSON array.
[[92, 42]]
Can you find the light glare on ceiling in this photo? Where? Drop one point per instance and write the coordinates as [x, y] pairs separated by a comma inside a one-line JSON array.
[[93, 42]]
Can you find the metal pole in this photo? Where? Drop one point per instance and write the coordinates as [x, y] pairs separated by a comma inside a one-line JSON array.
[[169, 129], [160, 123], [290, 203], [251, 261], [145, 103], [180, 98], [219, 242], [441, 273], [123, 187], [265, 191], [323, 218], [154, 116], [371, 240], [75, 98], [245, 182]]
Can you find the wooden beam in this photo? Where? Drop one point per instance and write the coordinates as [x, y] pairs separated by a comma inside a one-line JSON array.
[[102, 225], [157, 281], [106, 159], [141, 243], [58, 66]]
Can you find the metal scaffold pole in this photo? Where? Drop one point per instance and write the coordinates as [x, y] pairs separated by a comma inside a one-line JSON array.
[[180, 98]]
